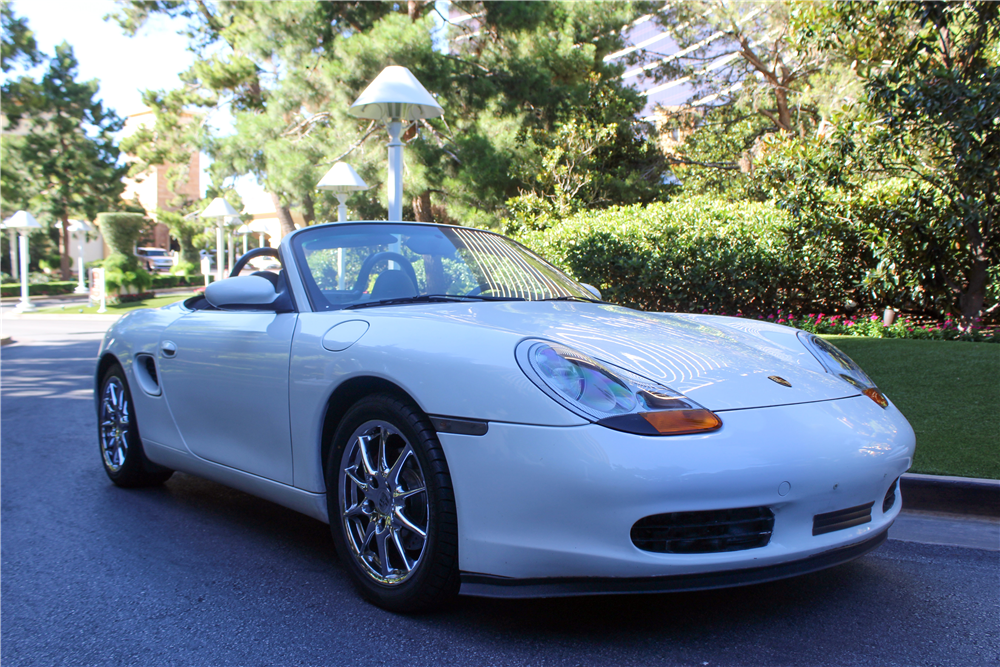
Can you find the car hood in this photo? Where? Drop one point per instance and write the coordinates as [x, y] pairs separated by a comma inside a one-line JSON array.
[[722, 363]]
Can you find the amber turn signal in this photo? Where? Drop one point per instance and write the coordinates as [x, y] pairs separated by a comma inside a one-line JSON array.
[[679, 422], [877, 396]]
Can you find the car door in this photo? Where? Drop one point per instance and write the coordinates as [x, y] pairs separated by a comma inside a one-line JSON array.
[[225, 378]]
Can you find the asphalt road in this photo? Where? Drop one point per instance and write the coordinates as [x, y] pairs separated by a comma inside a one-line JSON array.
[[197, 574]]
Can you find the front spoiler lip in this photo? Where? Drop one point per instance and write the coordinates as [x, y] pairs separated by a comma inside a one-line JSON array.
[[491, 586]]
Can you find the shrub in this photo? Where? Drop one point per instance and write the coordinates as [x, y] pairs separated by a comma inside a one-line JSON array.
[[121, 231], [39, 289], [688, 255], [122, 272], [185, 269], [164, 281]]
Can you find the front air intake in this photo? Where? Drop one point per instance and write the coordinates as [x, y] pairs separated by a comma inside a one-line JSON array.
[[890, 496], [705, 532], [841, 519]]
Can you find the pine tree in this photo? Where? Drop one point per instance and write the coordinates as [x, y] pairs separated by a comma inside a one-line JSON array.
[[68, 152]]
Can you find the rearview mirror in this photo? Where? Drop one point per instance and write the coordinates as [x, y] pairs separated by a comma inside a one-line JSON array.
[[593, 290], [242, 293]]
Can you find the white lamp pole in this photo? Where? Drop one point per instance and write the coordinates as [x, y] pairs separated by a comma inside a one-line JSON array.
[[343, 180], [395, 96], [219, 209], [23, 222], [80, 228], [244, 231], [15, 270], [232, 251]]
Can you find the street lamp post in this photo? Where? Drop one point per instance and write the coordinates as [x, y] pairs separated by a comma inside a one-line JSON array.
[[394, 97], [245, 232], [12, 244], [80, 228], [23, 222], [219, 209], [342, 180]]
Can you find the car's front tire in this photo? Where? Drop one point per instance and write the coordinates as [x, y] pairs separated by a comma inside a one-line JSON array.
[[118, 435], [392, 507]]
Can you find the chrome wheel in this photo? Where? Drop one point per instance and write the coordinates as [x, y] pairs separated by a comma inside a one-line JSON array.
[[383, 502], [114, 424]]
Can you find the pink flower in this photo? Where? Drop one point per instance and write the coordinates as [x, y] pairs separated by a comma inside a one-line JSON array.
[[770, 317]]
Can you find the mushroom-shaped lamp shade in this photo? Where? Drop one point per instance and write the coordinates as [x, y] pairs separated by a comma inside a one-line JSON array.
[[395, 94], [21, 220], [219, 208], [342, 178], [76, 226]]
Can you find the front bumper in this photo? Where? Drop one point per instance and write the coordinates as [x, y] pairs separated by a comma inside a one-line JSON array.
[[541, 503]]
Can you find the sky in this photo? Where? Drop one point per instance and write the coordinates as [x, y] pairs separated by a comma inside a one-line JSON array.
[[124, 65]]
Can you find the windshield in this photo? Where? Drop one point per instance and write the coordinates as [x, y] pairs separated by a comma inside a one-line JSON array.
[[351, 265], [153, 252]]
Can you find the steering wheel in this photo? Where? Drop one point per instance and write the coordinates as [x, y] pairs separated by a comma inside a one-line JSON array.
[[256, 252], [366, 268]]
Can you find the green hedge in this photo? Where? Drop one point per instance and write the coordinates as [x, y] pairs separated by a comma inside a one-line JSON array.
[[171, 280], [39, 289], [687, 255], [42, 289]]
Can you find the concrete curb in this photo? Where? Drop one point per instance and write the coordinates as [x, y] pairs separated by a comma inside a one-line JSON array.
[[65, 316], [954, 495]]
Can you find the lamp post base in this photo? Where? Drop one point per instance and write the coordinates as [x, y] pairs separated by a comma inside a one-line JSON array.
[[25, 306]]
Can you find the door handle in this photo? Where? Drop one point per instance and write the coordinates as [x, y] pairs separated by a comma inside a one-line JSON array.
[[168, 348]]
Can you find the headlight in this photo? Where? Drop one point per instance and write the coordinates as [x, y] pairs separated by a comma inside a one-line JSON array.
[[841, 365], [615, 398]]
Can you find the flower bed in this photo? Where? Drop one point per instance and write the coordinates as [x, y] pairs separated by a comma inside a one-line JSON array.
[[130, 298], [871, 326]]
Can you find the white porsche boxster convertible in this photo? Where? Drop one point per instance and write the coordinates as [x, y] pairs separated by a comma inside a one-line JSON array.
[[470, 420]]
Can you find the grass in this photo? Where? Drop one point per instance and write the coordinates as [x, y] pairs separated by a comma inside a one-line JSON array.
[[949, 392], [118, 309]]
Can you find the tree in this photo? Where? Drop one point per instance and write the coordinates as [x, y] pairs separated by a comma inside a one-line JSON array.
[[289, 71], [754, 70], [929, 119], [67, 156], [18, 45], [935, 100]]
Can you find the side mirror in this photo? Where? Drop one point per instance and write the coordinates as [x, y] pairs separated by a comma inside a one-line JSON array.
[[593, 290], [242, 293]]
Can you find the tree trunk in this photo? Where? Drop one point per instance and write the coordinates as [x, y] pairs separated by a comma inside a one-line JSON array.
[[308, 210], [973, 299], [284, 215], [422, 208], [64, 256], [784, 114]]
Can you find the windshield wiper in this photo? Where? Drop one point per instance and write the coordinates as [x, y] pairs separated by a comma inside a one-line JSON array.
[[572, 297], [430, 298]]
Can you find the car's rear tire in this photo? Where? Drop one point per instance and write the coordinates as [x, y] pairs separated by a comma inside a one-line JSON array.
[[118, 436], [392, 506]]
